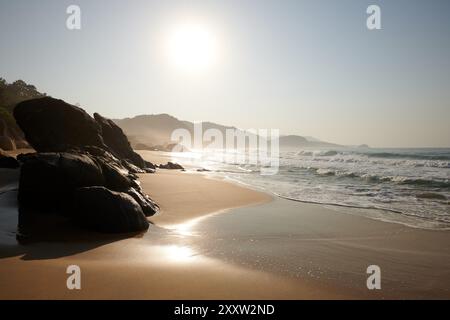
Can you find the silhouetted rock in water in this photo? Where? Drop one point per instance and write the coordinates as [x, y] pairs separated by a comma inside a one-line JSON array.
[[52, 125], [117, 141], [8, 162], [171, 165], [203, 170], [104, 210], [49, 182]]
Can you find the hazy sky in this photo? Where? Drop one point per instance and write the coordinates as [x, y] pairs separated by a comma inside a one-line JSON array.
[[305, 67]]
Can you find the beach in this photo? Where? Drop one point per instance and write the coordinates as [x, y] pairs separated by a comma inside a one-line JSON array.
[[218, 240]]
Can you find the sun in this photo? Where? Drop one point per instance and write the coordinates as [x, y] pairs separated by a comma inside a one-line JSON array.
[[192, 47]]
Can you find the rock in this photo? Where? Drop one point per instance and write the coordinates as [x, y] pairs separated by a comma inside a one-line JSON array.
[[47, 180], [150, 165], [22, 144], [52, 125], [203, 170], [149, 207], [149, 170], [6, 143], [116, 176], [7, 161], [171, 166], [82, 163], [103, 210], [117, 141]]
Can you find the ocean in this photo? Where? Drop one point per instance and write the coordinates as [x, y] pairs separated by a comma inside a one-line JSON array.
[[408, 186]]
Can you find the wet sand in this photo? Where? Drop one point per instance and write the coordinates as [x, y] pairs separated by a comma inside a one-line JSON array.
[[156, 265], [199, 248]]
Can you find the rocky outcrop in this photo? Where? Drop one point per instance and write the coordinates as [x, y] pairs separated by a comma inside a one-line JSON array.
[[50, 183], [103, 210], [85, 169], [117, 141], [52, 125], [171, 166]]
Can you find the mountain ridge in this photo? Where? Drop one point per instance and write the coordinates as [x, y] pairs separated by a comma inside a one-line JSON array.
[[156, 129]]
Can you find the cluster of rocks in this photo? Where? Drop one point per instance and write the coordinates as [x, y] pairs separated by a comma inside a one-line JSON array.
[[84, 168], [171, 166]]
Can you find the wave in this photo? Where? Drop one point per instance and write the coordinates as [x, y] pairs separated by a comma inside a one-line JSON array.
[[422, 154], [401, 180], [418, 156], [444, 223]]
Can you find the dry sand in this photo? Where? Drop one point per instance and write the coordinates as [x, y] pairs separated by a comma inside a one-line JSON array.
[[185, 196]]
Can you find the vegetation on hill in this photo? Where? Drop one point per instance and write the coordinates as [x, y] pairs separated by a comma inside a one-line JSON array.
[[10, 95]]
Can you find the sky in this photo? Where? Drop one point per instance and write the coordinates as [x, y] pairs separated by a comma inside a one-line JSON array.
[[305, 67]]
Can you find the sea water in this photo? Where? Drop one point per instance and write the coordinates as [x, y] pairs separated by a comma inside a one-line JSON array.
[[402, 185]]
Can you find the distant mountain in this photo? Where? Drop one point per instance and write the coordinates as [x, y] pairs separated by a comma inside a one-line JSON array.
[[312, 139], [294, 141], [155, 130]]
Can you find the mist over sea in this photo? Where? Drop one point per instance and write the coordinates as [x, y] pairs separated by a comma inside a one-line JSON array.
[[409, 186]]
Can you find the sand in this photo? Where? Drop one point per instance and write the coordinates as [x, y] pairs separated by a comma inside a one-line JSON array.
[[243, 245], [156, 265], [185, 196]]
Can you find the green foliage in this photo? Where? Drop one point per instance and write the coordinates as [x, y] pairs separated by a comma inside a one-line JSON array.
[[18, 91], [7, 117], [10, 95]]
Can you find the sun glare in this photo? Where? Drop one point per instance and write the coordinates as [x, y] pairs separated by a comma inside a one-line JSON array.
[[192, 47]]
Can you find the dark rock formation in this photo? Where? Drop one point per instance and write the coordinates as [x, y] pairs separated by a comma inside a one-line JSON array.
[[150, 165], [171, 165], [8, 162], [103, 210], [50, 182], [85, 169], [47, 180], [149, 207], [52, 125], [117, 141]]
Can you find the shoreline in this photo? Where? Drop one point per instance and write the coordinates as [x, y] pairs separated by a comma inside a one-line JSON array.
[[194, 251]]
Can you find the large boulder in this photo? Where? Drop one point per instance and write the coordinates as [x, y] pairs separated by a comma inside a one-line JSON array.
[[104, 210], [50, 183], [52, 125], [171, 166], [48, 180], [117, 141]]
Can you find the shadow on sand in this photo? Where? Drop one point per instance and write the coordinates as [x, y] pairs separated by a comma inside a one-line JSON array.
[[36, 237]]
